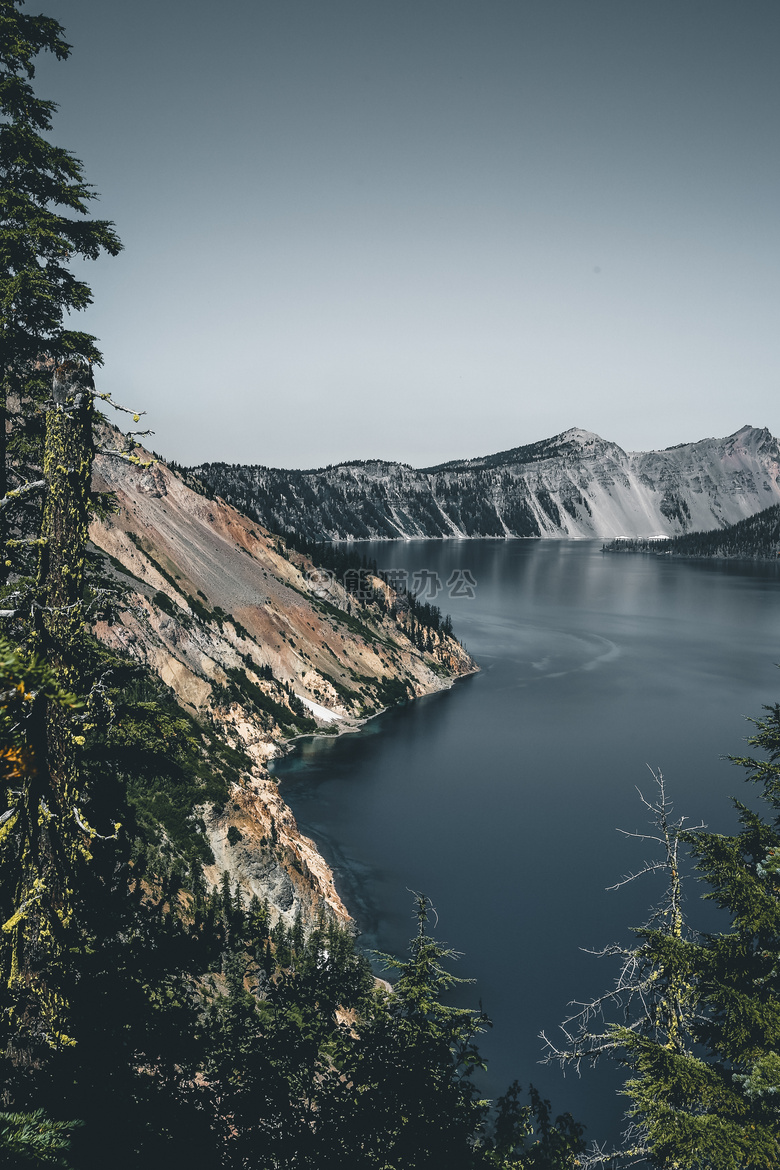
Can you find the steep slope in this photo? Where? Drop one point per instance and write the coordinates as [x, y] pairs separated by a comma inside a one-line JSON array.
[[254, 641], [756, 538], [573, 485]]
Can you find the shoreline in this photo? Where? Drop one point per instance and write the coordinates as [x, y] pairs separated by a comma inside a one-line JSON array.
[[346, 880], [352, 725]]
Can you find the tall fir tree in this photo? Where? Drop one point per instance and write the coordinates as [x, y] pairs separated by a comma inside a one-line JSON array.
[[44, 226]]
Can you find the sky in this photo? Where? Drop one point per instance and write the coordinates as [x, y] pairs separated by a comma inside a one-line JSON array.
[[429, 229]]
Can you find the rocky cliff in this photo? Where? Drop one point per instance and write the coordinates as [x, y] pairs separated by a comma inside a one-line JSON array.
[[574, 485], [256, 643]]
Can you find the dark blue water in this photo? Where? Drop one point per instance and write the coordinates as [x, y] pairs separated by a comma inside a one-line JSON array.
[[500, 798]]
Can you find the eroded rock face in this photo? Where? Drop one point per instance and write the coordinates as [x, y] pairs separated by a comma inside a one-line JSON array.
[[575, 484], [152, 483], [212, 599], [270, 857]]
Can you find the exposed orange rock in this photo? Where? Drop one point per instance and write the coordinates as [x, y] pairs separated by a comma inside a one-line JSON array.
[[235, 599]]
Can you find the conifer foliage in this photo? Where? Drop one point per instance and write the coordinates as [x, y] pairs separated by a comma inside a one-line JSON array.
[[735, 1099], [46, 370], [44, 200], [700, 1026], [39, 185]]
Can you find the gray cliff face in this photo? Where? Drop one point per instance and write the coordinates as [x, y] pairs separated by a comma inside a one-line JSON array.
[[574, 485]]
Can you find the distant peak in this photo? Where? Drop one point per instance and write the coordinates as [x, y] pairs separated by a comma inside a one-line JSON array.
[[577, 435], [748, 430], [755, 434]]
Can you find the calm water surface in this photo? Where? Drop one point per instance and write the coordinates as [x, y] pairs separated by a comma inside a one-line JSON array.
[[500, 798]]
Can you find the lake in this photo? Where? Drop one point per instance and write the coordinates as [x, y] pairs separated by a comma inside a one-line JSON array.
[[500, 798]]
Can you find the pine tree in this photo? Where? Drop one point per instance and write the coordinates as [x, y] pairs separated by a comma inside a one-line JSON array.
[[43, 226], [727, 1113], [407, 1098], [700, 1033], [525, 1135], [32, 1139], [47, 831]]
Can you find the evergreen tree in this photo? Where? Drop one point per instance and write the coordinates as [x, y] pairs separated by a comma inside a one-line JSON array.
[[402, 1095], [44, 200], [407, 1098], [32, 1139], [525, 1135], [34, 858], [43, 203], [701, 1028], [724, 1112]]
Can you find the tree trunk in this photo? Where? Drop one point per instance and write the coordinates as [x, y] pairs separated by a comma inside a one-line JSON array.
[[4, 384], [50, 840], [67, 469]]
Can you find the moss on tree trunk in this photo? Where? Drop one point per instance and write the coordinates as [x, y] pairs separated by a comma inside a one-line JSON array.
[[50, 838]]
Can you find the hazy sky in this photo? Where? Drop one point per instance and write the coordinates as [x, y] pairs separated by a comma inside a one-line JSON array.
[[428, 229]]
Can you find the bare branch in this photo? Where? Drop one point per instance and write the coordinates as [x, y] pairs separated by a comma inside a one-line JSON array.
[[26, 542], [82, 824], [24, 489], [648, 867], [129, 458], [106, 397]]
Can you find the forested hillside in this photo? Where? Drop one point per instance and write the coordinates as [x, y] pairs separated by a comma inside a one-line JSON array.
[[154, 1013], [755, 538]]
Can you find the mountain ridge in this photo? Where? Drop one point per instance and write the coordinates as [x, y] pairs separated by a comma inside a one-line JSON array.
[[573, 485]]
